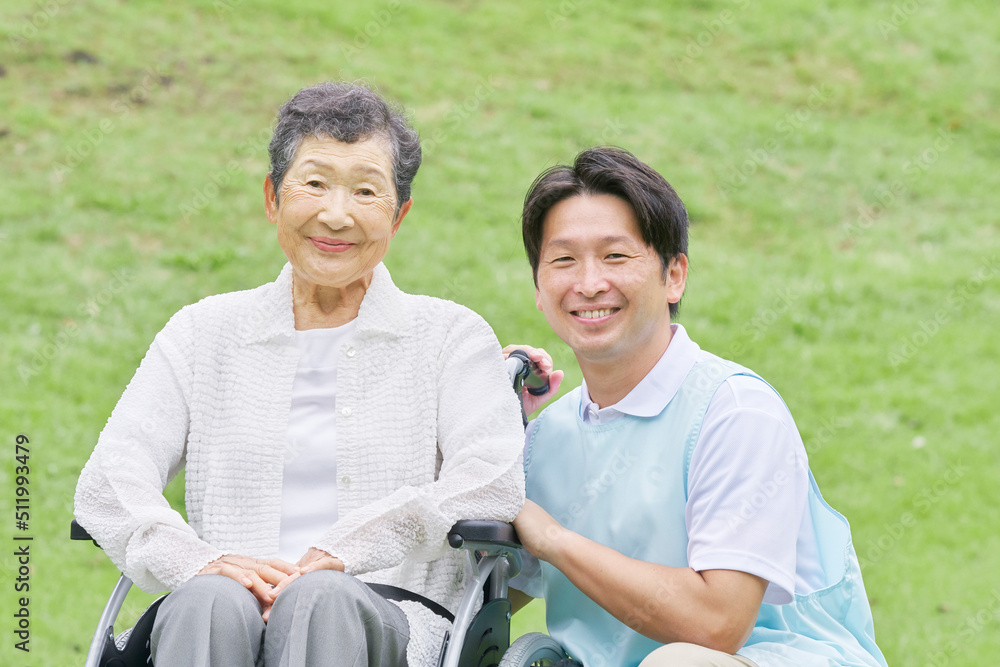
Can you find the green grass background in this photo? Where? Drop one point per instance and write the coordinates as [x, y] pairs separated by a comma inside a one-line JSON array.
[[839, 161]]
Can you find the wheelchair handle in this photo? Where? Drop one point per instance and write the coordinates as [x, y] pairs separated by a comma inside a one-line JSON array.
[[524, 373]]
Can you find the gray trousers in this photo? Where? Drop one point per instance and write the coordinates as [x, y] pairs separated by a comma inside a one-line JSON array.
[[323, 618]]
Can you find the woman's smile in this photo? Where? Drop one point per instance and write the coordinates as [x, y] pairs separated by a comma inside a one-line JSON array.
[[330, 245]]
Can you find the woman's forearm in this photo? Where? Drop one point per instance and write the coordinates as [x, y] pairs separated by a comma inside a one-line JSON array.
[[119, 496]]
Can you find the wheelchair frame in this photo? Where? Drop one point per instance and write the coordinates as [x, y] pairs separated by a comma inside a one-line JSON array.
[[494, 554]]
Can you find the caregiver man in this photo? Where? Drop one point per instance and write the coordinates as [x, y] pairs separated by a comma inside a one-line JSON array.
[[671, 509]]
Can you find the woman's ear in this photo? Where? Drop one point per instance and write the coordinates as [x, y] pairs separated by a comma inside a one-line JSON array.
[[270, 200], [403, 210]]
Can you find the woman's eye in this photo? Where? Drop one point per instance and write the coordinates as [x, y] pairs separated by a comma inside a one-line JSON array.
[[616, 255], [314, 184], [365, 192]]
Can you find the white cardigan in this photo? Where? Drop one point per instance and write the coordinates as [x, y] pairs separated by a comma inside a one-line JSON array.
[[428, 432]]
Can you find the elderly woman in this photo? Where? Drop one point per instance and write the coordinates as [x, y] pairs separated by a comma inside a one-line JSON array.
[[332, 428]]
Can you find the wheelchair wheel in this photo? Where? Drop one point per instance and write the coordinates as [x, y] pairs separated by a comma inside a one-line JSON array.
[[533, 650]]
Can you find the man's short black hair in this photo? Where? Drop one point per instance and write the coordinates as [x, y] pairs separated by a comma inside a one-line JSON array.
[[663, 220]]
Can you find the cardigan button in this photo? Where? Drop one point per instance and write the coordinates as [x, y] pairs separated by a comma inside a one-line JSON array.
[[346, 412], [346, 480], [351, 352]]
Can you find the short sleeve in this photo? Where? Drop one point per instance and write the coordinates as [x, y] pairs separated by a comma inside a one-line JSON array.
[[748, 487]]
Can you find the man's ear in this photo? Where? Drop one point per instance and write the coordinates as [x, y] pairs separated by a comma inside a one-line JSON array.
[[538, 299], [677, 273], [403, 210], [270, 200]]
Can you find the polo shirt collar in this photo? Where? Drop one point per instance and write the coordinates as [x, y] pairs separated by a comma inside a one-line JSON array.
[[656, 389]]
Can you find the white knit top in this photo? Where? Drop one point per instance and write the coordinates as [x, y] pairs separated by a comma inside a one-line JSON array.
[[428, 432]]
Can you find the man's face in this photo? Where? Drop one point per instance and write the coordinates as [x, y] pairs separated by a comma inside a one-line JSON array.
[[600, 286]]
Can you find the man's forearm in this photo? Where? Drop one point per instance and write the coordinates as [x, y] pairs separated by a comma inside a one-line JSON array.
[[715, 609]]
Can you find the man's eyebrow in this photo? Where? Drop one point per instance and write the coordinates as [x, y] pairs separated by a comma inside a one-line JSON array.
[[570, 242]]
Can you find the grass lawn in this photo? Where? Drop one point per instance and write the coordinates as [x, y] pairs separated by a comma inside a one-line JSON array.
[[838, 161]]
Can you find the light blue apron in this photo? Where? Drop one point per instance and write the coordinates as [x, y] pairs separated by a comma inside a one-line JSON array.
[[624, 484]]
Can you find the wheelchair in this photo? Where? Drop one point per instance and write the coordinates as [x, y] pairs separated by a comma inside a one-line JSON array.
[[476, 639], [479, 636]]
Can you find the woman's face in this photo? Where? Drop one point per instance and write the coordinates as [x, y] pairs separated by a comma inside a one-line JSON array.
[[335, 211]]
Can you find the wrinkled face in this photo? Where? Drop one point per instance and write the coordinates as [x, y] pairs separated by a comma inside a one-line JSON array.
[[600, 286], [335, 212]]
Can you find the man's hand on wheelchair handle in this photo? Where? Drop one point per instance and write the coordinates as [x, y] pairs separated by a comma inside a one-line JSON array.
[[544, 361]]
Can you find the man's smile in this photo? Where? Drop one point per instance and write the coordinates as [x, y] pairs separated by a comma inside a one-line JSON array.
[[595, 314]]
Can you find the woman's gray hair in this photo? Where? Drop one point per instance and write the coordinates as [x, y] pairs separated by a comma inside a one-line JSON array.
[[346, 112]]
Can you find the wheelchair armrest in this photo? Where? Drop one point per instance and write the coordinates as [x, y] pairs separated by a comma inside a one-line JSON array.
[[496, 533], [78, 532], [480, 534]]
